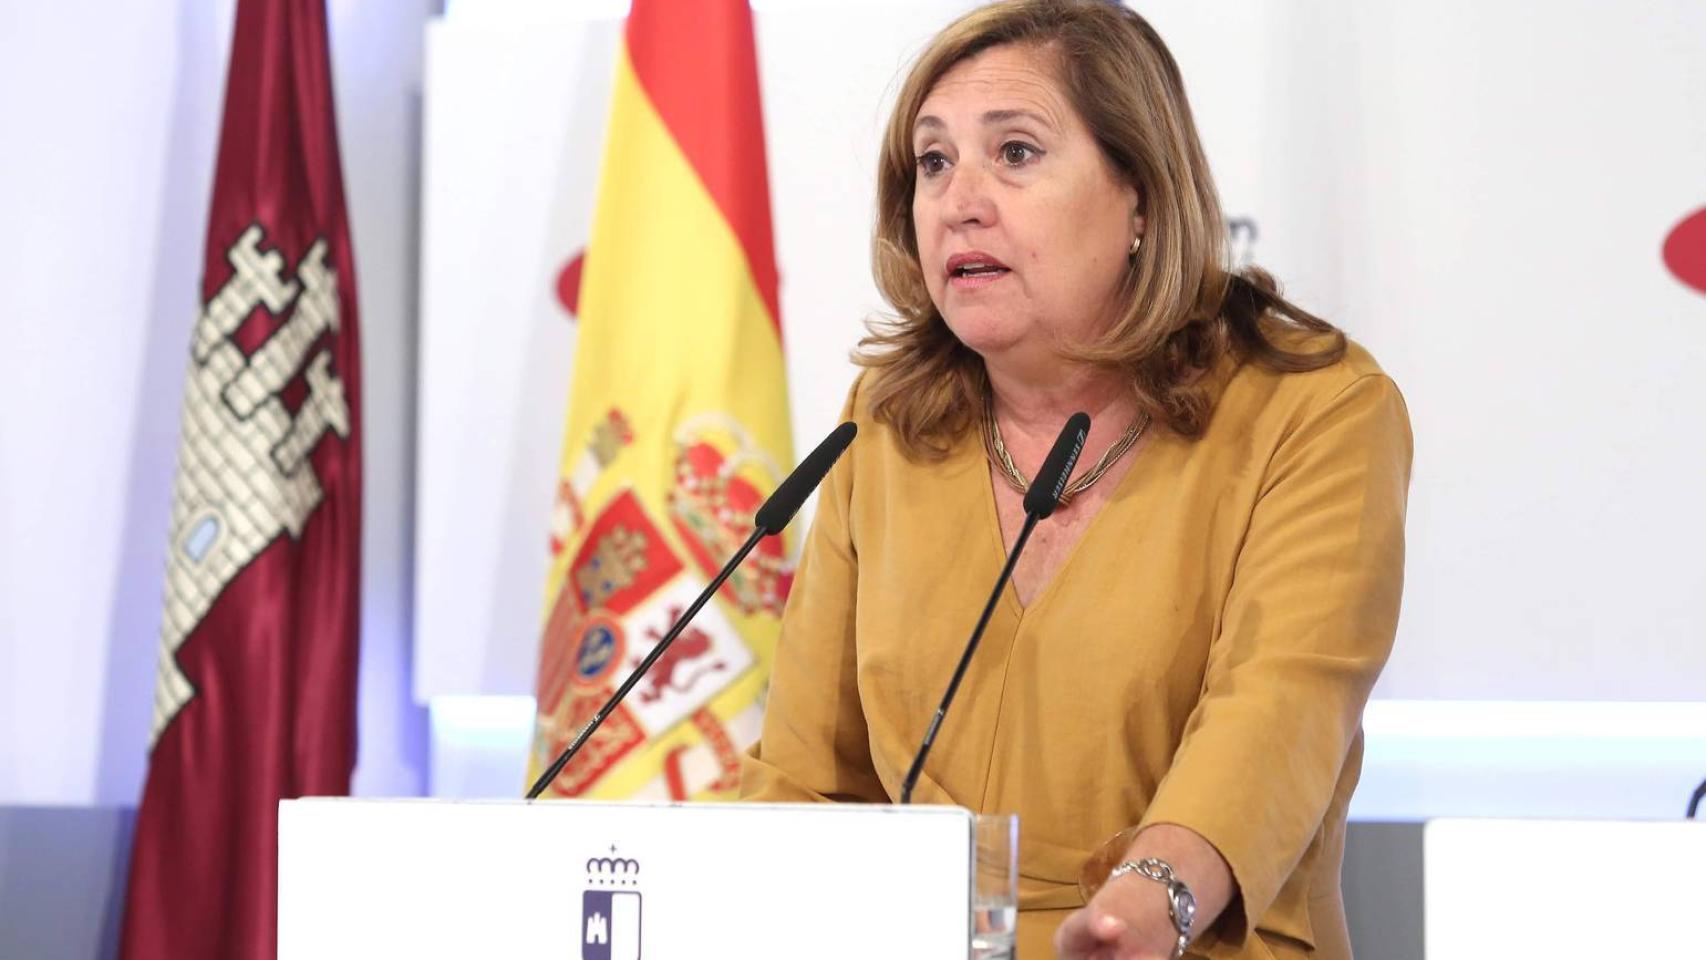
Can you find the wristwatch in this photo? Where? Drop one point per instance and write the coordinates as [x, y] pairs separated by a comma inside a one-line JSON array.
[[1181, 905]]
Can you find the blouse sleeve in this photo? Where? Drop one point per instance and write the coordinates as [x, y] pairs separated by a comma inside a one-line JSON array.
[[814, 745], [1308, 625]]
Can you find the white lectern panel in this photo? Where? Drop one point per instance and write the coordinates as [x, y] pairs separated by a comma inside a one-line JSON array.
[[1499, 889], [593, 881]]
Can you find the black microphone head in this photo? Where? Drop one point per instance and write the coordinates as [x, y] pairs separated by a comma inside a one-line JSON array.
[[792, 492], [1045, 491]]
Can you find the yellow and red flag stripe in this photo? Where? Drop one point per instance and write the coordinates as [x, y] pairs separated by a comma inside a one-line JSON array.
[[677, 425]]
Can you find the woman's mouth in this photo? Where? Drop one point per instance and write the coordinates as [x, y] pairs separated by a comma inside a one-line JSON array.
[[974, 269]]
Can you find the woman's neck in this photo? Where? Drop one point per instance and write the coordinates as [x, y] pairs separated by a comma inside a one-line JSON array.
[[1031, 406]]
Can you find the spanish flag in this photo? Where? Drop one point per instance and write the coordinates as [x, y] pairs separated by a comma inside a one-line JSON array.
[[677, 426]]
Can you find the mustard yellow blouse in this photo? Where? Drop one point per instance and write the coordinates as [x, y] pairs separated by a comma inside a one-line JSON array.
[[1201, 658]]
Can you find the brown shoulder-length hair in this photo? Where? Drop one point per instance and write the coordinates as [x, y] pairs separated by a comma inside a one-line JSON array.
[[1184, 308]]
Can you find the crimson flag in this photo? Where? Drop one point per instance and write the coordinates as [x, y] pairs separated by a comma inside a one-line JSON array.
[[259, 648]]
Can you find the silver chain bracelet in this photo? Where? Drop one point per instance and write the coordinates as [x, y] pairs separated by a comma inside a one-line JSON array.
[[1181, 904]]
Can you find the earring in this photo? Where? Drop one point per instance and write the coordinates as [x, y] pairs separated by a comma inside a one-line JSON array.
[[1137, 242]]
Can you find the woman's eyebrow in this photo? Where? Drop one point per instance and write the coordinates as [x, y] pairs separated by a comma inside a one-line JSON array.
[[1007, 116], [990, 118]]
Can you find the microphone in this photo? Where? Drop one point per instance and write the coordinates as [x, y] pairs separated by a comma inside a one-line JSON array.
[[1050, 483], [792, 492], [770, 519], [1040, 501]]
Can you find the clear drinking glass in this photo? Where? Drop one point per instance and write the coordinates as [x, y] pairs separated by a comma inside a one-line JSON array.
[[995, 886]]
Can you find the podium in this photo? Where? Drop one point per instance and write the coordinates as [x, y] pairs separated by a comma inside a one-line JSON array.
[[1559, 888], [585, 880]]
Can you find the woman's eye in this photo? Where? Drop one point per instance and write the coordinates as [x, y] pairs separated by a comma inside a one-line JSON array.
[[932, 163], [1016, 153]]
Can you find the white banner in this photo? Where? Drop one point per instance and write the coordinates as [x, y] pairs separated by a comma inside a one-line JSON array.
[[423, 878]]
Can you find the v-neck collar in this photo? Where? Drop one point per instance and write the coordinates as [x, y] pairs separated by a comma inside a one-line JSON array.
[[992, 522]]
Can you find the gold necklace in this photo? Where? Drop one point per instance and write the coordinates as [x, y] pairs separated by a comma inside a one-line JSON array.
[[998, 455]]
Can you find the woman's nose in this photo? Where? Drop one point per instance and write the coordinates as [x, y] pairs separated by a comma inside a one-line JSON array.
[[967, 201]]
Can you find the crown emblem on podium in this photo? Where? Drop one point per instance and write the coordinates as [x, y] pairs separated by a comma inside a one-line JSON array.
[[610, 909], [612, 871]]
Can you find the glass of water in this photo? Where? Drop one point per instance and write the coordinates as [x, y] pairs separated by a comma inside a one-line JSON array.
[[995, 886]]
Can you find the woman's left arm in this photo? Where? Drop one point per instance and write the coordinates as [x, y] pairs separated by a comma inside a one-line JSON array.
[[1307, 626]]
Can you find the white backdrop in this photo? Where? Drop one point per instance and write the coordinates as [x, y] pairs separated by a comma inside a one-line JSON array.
[[1476, 192]]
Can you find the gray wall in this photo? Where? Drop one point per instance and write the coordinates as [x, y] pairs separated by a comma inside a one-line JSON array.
[[1383, 890], [62, 879]]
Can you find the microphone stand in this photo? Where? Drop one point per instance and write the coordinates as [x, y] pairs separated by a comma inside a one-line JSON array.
[[1040, 501], [965, 658]]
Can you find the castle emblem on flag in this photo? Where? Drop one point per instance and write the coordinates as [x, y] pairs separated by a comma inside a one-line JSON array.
[[618, 559], [610, 909], [244, 475]]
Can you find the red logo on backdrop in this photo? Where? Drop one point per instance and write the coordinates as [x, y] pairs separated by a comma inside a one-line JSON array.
[[1685, 250]]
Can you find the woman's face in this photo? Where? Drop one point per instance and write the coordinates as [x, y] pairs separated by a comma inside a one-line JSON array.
[[1023, 226]]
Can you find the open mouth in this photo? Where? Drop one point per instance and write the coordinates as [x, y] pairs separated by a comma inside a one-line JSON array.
[[975, 268]]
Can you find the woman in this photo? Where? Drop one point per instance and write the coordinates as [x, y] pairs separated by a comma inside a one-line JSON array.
[[1175, 678]]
